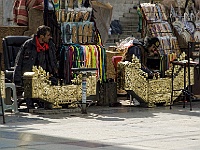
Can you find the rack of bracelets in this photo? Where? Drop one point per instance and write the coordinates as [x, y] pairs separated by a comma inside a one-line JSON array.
[[158, 89]]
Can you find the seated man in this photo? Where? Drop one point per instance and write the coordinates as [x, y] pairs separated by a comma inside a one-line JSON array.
[[142, 51], [37, 51]]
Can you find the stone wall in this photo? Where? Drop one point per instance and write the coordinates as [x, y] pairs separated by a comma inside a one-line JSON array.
[[121, 6]]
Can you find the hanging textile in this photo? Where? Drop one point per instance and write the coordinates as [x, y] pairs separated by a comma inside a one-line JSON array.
[[76, 56], [21, 8]]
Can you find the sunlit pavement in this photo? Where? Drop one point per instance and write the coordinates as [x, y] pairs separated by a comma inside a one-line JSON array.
[[109, 128]]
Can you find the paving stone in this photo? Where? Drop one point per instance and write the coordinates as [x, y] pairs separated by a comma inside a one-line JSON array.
[[110, 128]]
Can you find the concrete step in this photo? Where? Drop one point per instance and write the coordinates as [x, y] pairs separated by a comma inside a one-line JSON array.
[[129, 28], [120, 7], [113, 38], [134, 34], [132, 10], [129, 33], [132, 19], [130, 15], [128, 2], [128, 23]]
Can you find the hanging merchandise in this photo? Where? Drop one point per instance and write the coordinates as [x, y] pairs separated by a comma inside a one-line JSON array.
[[21, 9], [56, 4], [155, 24], [75, 14], [78, 32], [197, 36], [81, 41], [186, 24], [77, 56], [179, 26], [154, 12]]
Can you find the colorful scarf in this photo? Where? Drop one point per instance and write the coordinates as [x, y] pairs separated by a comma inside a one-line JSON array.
[[40, 47]]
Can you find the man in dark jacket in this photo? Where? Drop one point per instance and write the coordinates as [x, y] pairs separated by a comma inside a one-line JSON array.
[[37, 51], [143, 51]]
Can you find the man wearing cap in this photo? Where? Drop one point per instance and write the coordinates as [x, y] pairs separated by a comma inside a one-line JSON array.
[[142, 51]]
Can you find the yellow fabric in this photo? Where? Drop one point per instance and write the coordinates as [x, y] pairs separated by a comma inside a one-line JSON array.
[[86, 56], [93, 56], [97, 61], [100, 63]]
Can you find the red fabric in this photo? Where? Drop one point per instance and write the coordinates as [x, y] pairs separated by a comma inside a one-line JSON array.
[[40, 47], [21, 7], [115, 60]]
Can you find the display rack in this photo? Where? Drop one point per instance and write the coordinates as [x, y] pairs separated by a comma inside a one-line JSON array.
[[81, 43], [192, 52], [155, 24]]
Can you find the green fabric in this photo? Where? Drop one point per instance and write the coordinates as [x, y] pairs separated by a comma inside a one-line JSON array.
[[140, 19]]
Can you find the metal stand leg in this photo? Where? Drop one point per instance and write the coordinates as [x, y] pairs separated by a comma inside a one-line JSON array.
[[131, 99], [84, 93], [184, 88], [172, 87], [2, 110], [84, 72], [189, 88]]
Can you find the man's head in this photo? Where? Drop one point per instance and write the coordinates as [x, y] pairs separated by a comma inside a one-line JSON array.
[[152, 44], [43, 34]]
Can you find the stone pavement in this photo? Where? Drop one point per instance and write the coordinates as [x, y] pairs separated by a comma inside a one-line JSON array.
[[108, 128]]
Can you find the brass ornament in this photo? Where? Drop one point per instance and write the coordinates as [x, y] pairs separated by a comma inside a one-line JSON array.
[[37, 85], [152, 91]]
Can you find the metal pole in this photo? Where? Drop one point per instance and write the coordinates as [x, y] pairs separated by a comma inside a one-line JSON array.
[[45, 15], [191, 49], [1, 99], [84, 93], [172, 92]]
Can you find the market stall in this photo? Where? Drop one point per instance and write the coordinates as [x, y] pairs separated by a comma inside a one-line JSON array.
[[185, 18], [79, 44], [81, 47], [156, 90]]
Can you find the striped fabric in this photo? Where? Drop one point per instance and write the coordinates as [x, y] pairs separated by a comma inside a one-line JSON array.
[[21, 8]]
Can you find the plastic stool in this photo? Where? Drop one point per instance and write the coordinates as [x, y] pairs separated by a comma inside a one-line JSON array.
[[13, 106]]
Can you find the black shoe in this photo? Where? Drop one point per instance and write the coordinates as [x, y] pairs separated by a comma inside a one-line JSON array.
[[31, 107]]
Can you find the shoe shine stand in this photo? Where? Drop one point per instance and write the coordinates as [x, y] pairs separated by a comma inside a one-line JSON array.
[[84, 72]]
